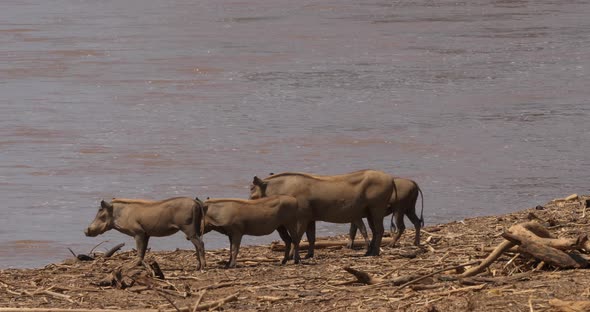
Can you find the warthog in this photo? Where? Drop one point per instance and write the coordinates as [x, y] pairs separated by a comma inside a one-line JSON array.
[[238, 217], [404, 204], [145, 218], [338, 199]]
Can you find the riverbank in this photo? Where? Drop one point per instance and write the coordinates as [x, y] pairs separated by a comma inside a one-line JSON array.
[[512, 283]]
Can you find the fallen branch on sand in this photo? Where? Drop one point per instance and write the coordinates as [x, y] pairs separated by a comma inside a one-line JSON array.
[[216, 304], [222, 284], [402, 281], [362, 277], [456, 267], [201, 295], [81, 257], [322, 244], [211, 305], [570, 306], [112, 251], [496, 280], [534, 240]]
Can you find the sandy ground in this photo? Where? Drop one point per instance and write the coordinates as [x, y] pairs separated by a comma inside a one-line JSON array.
[[513, 283]]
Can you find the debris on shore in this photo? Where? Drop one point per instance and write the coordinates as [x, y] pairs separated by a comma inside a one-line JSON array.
[[531, 260]]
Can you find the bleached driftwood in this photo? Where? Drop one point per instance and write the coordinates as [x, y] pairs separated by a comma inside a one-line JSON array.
[[535, 240], [570, 306], [320, 244], [544, 252]]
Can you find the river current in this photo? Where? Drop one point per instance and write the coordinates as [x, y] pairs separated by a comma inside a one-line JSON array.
[[484, 103]]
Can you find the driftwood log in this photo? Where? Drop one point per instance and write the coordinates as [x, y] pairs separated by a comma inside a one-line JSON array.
[[321, 244], [112, 251], [207, 306], [570, 306], [402, 281], [533, 239], [363, 277], [544, 252]]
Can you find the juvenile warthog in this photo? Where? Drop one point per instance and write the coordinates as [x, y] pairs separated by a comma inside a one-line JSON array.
[[404, 204], [338, 199], [238, 217], [144, 218]]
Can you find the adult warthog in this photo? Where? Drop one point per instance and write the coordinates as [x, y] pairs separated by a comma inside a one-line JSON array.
[[238, 217], [337, 199], [145, 218], [404, 204]]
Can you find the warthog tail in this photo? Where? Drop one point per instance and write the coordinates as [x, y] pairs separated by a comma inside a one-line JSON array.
[[392, 226], [421, 211], [202, 223]]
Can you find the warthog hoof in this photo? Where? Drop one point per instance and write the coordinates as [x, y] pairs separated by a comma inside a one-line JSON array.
[[373, 252], [308, 256]]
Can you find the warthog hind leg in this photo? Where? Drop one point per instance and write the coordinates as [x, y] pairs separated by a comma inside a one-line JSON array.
[[200, 248], [354, 225], [310, 239], [417, 225], [141, 242], [401, 227], [287, 240]]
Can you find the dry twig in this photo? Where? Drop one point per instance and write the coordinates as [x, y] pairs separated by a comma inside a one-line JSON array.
[[199, 299], [218, 303]]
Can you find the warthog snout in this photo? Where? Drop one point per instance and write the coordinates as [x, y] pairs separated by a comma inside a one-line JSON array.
[[90, 233]]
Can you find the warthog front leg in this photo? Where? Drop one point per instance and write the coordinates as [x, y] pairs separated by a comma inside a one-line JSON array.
[[235, 241], [141, 242], [372, 227], [296, 235], [376, 225]]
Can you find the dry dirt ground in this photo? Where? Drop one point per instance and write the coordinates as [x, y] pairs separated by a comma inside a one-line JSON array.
[[260, 282]]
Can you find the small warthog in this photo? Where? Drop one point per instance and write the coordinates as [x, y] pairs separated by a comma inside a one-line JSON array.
[[404, 204], [238, 217], [145, 218]]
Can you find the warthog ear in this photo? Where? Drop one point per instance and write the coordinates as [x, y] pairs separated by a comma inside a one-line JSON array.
[[106, 205], [199, 201], [257, 181]]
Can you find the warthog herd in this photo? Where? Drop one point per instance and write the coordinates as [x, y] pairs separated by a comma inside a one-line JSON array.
[[289, 203]]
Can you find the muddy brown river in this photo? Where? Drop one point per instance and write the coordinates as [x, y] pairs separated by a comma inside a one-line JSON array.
[[484, 103]]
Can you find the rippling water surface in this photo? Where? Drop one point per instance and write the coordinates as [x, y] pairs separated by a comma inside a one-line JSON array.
[[484, 103]]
